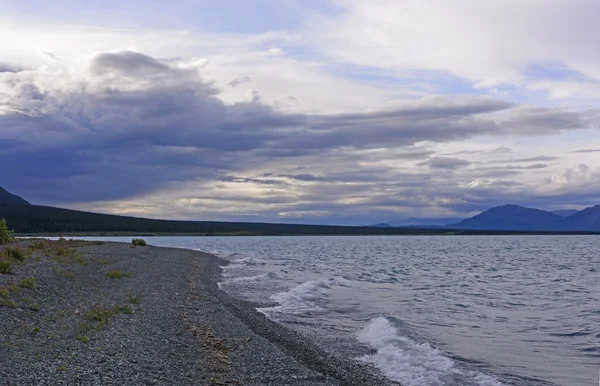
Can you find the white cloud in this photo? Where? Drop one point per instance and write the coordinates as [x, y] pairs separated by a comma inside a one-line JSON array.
[[567, 90], [221, 58], [487, 42], [581, 179]]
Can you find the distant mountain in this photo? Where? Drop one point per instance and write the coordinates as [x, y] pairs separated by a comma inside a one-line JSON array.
[[511, 217], [518, 218], [415, 222], [566, 212], [587, 219], [7, 198], [380, 225]]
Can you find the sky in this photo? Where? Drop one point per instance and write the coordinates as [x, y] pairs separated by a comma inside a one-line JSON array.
[[300, 111]]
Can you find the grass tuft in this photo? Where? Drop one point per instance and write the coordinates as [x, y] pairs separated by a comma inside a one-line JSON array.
[[37, 245], [97, 318], [15, 253], [6, 266], [27, 283], [83, 338], [117, 274], [63, 251], [127, 310], [134, 299], [5, 300]]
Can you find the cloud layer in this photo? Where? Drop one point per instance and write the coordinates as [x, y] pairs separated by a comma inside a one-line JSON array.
[[129, 126], [352, 112]]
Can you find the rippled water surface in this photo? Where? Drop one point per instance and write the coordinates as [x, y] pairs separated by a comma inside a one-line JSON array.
[[485, 310]]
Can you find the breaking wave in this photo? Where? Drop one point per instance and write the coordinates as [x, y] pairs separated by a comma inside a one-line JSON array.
[[300, 299], [414, 364]]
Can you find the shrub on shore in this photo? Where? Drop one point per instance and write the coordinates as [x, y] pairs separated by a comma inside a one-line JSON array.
[[6, 235], [138, 242]]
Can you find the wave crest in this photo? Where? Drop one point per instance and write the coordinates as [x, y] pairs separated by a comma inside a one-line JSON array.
[[300, 299], [414, 364]]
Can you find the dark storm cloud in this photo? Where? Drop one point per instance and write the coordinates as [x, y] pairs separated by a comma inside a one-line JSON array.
[[134, 125]]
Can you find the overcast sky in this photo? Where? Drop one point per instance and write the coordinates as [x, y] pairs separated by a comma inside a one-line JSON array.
[[311, 111]]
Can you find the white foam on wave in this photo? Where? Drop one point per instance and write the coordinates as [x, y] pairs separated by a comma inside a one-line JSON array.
[[414, 364], [242, 263], [218, 253], [244, 279], [300, 299]]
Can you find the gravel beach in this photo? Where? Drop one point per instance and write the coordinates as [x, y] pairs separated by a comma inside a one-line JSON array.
[[110, 314]]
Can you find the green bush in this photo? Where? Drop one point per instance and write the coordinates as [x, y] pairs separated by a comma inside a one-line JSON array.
[[6, 235], [138, 242]]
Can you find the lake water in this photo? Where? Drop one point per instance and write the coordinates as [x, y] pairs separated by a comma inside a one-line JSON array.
[[452, 310]]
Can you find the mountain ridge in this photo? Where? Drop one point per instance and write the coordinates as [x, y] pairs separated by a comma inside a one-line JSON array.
[[518, 218], [505, 218], [588, 218], [565, 212]]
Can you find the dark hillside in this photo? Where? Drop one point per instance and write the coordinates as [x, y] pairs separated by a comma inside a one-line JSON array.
[[7, 198], [43, 219]]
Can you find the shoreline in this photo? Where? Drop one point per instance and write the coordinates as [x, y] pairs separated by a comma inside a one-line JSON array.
[[168, 324], [452, 233]]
